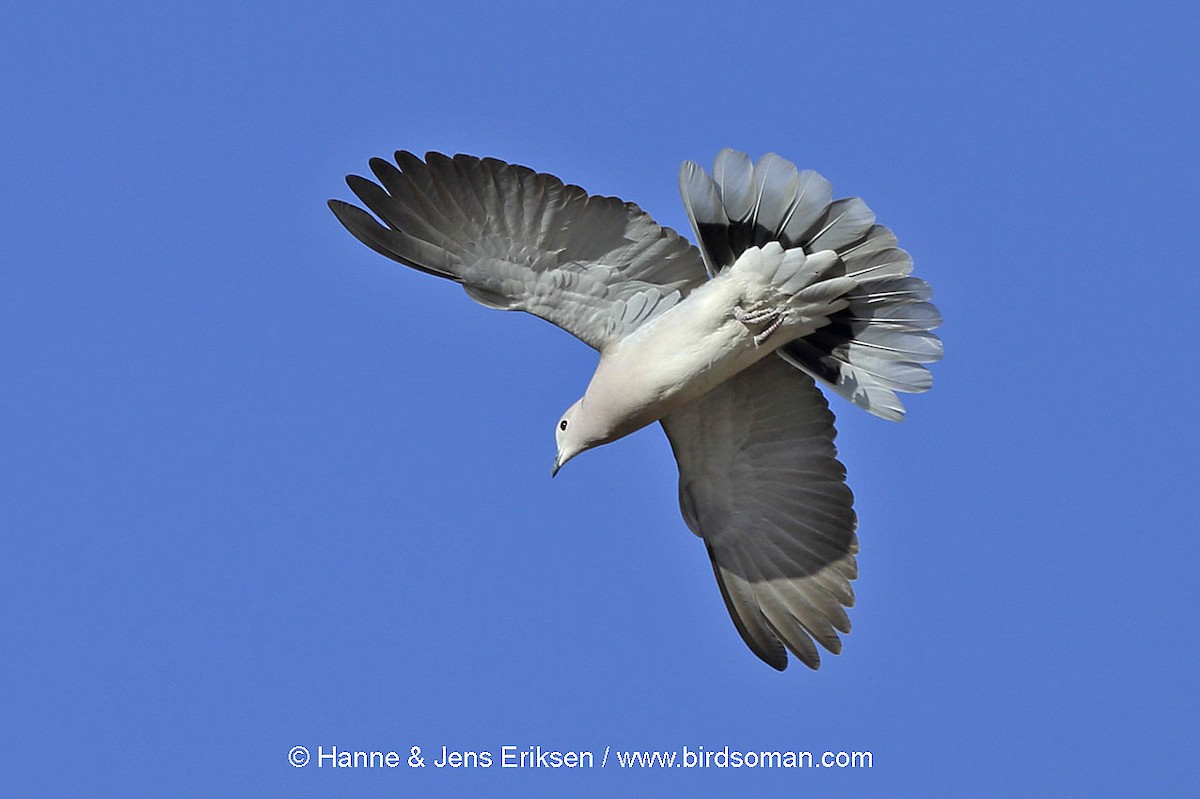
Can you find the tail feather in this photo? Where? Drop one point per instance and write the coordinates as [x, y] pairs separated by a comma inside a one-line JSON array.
[[879, 343], [846, 222], [778, 184], [734, 174], [702, 200], [812, 198]]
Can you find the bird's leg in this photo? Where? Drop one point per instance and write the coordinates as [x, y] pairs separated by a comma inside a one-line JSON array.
[[759, 314]]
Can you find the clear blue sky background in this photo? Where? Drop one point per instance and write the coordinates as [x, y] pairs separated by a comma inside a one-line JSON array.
[[262, 488]]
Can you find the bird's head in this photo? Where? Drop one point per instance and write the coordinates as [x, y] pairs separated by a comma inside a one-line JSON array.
[[573, 435]]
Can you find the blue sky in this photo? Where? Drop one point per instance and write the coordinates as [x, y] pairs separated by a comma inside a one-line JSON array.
[[262, 488]]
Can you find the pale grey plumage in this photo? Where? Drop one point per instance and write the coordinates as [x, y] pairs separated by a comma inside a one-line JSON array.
[[685, 337]]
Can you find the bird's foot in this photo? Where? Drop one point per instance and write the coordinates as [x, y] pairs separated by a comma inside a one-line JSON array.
[[761, 314]]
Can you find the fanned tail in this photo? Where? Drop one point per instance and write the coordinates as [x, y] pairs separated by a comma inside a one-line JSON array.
[[879, 344]]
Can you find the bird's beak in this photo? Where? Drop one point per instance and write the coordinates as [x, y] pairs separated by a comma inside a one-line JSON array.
[[560, 460]]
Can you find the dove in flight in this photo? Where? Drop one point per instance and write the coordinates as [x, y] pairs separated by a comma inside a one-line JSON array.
[[721, 345]]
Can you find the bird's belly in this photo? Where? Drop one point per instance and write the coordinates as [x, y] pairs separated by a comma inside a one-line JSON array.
[[672, 360]]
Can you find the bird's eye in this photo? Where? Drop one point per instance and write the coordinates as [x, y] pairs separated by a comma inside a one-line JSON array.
[[562, 425]]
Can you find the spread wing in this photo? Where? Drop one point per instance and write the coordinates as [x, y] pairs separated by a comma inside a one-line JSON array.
[[517, 239], [760, 482]]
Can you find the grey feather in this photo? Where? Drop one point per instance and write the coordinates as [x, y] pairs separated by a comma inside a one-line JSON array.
[[734, 174], [846, 222], [778, 184], [702, 201], [812, 198]]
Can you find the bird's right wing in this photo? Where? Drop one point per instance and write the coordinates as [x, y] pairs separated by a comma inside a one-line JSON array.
[[517, 239], [760, 482]]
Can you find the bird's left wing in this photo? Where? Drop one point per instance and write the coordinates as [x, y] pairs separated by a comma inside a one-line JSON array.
[[516, 239], [760, 482]]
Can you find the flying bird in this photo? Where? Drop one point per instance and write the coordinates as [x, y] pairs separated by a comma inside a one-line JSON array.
[[721, 344]]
